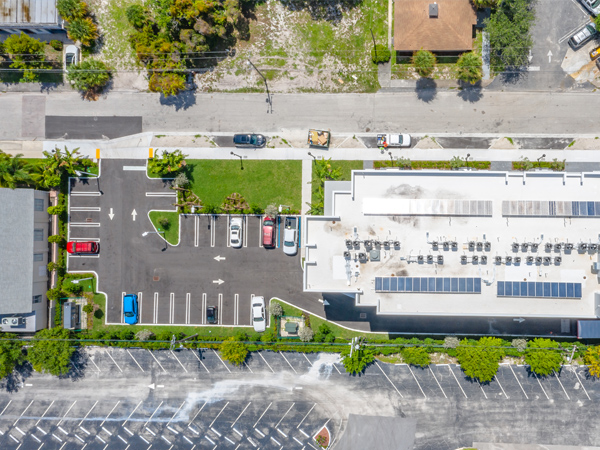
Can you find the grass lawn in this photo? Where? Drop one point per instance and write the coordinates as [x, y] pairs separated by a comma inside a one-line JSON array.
[[261, 182], [346, 166], [171, 232]]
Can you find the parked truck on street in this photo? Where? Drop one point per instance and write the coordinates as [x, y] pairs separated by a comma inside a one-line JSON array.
[[393, 140]]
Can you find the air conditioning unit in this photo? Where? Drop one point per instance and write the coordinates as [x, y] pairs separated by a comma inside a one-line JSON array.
[[12, 321], [6, 321]]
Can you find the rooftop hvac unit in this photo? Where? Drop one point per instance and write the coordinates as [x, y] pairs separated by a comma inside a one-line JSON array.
[[348, 243], [593, 247], [583, 247], [557, 260], [429, 258], [530, 259], [377, 243], [524, 246], [557, 247], [347, 255], [517, 259], [362, 257], [454, 245], [568, 246], [498, 259], [368, 243], [440, 259], [480, 246], [420, 258], [487, 245], [538, 259], [446, 244], [548, 247], [547, 260], [515, 247], [357, 243], [484, 259], [463, 259], [509, 259], [386, 244], [471, 245], [396, 244], [12, 321], [534, 247], [434, 243], [475, 259]]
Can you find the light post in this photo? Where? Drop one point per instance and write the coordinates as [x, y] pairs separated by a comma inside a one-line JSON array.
[[97, 177], [270, 108], [76, 281], [391, 158], [281, 207], [313, 156], [467, 159], [541, 157], [241, 161]]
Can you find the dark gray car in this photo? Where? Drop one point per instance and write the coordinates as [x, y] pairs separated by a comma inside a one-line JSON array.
[[583, 36], [249, 140]]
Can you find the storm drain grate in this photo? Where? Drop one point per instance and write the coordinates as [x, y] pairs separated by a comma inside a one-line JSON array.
[[155, 278], [363, 315], [88, 220]]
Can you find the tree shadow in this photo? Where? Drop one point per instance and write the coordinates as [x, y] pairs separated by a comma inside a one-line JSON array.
[[470, 92], [183, 100], [79, 361], [426, 89], [13, 382], [513, 75]]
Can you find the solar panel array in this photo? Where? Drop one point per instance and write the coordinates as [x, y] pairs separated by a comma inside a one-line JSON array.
[[438, 285], [539, 289], [536, 208]]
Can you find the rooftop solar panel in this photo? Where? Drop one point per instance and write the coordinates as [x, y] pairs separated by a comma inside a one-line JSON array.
[[537, 289]]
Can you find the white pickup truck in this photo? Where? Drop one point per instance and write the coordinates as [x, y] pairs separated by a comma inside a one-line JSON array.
[[393, 140]]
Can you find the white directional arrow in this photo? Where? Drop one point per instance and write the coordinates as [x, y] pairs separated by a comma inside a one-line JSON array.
[[530, 57], [133, 213], [520, 320], [219, 281], [219, 258], [110, 214], [549, 56], [152, 386]]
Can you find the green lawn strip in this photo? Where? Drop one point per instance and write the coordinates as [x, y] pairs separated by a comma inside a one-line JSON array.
[[261, 182], [346, 168], [316, 322], [558, 166], [171, 233], [444, 165]]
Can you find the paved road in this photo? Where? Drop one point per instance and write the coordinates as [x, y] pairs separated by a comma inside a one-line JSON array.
[[502, 112], [190, 399]]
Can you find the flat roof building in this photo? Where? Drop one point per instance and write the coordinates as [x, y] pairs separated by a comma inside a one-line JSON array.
[[460, 243], [30, 16]]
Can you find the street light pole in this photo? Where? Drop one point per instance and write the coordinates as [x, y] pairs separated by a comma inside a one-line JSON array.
[[313, 156], [241, 160], [270, 108], [541, 157], [391, 158], [467, 159], [146, 233]]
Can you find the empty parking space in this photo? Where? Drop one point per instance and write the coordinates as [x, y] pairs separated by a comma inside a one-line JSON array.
[[254, 234], [84, 232], [221, 231]]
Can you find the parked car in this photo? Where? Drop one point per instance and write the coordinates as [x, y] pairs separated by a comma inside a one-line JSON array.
[[583, 36], [71, 56], [595, 53], [290, 236], [592, 6], [258, 314], [235, 232], [268, 232], [598, 63], [75, 247], [211, 314], [393, 140], [249, 140], [130, 309]]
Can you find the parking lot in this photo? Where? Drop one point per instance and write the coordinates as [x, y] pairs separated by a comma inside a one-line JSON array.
[[174, 284]]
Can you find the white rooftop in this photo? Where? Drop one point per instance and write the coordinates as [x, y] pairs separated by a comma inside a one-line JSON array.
[[417, 208]]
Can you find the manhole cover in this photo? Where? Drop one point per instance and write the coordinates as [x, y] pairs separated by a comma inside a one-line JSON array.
[[155, 278], [363, 315]]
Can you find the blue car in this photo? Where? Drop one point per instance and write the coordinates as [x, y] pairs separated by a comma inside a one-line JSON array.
[[130, 309]]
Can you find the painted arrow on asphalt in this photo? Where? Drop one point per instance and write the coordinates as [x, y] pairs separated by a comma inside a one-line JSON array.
[[549, 56], [530, 56], [154, 386], [219, 281], [110, 214], [520, 320], [219, 258], [133, 213]]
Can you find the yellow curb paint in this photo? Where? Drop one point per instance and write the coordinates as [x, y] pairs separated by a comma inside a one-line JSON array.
[[150, 154], [97, 153]]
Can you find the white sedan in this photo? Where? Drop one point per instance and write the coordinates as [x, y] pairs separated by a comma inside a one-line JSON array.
[[236, 227], [258, 314]]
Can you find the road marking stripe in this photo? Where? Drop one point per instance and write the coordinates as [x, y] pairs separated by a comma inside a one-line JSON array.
[[187, 308], [263, 358], [63, 417], [155, 307], [211, 424], [134, 360], [142, 438], [150, 418], [481, 387], [194, 418], [388, 378], [35, 437], [221, 360], [22, 432], [212, 231], [26, 408], [241, 435], [42, 431], [122, 439], [182, 366], [84, 430], [335, 367], [215, 431], [307, 359], [161, 194], [187, 440], [84, 224], [100, 439], [109, 433], [150, 431], [283, 417], [261, 416], [166, 440], [513, 372], [204, 309], [286, 360], [275, 440], [561, 385], [172, 429], [129, 416], [577, 376], [88, 413], [113, 360], [63, 431], [284, 435], [128, 432], [82, 441], [259, 432], [55, 436], [178, 409], [436, 380], [248, 367], [210, 440], [49, 406], [16, 440], [543, 390], [85, 208], [220, 317], [232, 443], [236, 312], [85, 194], [452, 372], [171, 307], [155, 359], [140, 168], [305, 418], [193, 430], [198, 358], [251, 441], [496, 378]]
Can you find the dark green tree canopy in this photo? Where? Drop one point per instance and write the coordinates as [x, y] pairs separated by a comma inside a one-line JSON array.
[[50, 354]]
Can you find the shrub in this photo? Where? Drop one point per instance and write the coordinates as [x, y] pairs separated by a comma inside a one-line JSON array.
[[71, 9], [56, 210], [270, 335], [27, 54], [72, 288], [82, 29], [457, 162], [592, 359], [480, 361], [11, 355], [167, 83], [50, 354], [233, 351], [52, 266], [469, 67], [89, 76], [181, 180], [164, 222], [380, 54], [255, 209], [137, 16], [543, 356], [56, 239], [145, 335], [416, 356], [88, 309], [424, 62], [276, 309], [56, 45], [306, 334], [359, 360], [272, 211], [451, 342]]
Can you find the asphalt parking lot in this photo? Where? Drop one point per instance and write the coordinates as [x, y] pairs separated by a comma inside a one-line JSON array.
[[174, 284]]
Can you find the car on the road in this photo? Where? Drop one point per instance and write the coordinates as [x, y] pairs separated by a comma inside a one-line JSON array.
[[258, 314], [268, 232], [235, 232], [290, 236], [211, 314], [592, 6], [130, 309], [595, 53], [583, 36], [249, 140], [78, 248], [71, 56]]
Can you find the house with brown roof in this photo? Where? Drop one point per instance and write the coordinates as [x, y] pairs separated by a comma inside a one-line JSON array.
[[435, 25]]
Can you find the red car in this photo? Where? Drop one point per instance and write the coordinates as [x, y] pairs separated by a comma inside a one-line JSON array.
[[268, 232], [83, 247]]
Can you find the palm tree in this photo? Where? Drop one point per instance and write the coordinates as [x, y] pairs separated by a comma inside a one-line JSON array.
[[14, 171], [58, 164]]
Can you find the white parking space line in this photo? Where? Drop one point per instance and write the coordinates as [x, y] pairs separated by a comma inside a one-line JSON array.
[[245, 222], [503, 391], [200, 360], [236, 300], [452, 372], [577, 376], [95, 365], [212, 231], [155, 359], [520, 385], [204, 309], [260, 243], [161, 194], [543, 390], [417, 381], [307, 359], [113, 360], [111, 411], [194, 418], [221, 360], [155, 307], [338, 370], [187, 307], [141, 305], [481, 387], [238, 417], [436, 380], [176, 412], [196, 231], [84, 224], [561, 385], [286, 360], [85, 208], [85, 194], [214, 420], [182, 366], [63, 417], [129, 416], [87, 414], [264, 412], [123, 294], [248, 367], [309, 411], [220, 316], [36, 438], [585, 13], [283, 417], [48, 408], [150, 418], [26, 408], [140, 168], [134, 360], [41, 431], [171, 307], [572, 31], [263, 358]]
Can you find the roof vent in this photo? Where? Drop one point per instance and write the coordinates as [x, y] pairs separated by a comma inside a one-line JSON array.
[[433, 10]]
